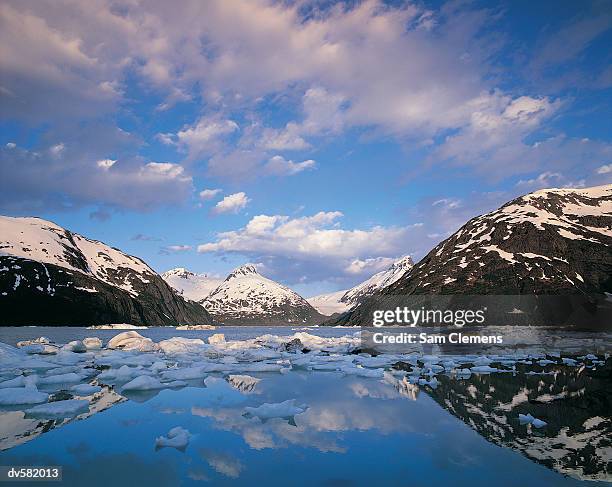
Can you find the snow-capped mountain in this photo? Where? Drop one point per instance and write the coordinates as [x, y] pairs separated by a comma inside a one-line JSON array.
[[553, 242], [49, 275], [189, 284], [341, 301], [246, 297]]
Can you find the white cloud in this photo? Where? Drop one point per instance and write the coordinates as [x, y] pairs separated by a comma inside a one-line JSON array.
[[545, 180], [232, 203], [605, 169], [369, 266], [209, 194], [76, 178], [313, 246], [165, 170], [280, 166], [106, 164], [204, 136]]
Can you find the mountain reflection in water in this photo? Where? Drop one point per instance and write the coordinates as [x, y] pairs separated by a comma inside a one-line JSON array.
[[575, 402]]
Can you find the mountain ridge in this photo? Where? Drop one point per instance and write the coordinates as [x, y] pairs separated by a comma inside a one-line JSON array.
[[74, 280]]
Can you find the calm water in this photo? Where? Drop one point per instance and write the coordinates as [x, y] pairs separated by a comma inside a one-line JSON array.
[[356, 431]]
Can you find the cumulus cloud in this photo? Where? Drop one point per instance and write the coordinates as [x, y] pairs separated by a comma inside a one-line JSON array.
[[204, 136], [605, 169], [280, 166], [209, 194], [313, 246], [232, 203]]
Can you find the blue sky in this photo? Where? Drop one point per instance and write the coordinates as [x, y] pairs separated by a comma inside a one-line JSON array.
[[332, 137]]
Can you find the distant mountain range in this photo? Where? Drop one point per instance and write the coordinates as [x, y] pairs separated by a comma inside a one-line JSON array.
[[342, 301], [51, 276], [550, 242]]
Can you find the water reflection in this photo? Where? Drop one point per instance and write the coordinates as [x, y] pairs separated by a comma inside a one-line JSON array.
[[575, 402]]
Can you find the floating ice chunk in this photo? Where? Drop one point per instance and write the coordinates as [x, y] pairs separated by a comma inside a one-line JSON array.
[[158, 366], [525, 418], [11, 396], [433, 383], [482, 361], [75, 346], [430, 359], [175, 384], [590, 356], [61, 379], [85, 389], [285, 409], [178, 345], [463, 373], [529, 419], [545, 362], [538, 423], [375, 362], [143, 383], [177, 438], [40, 349], [18, 381], [36, 364], [92, 343], [244, 383], [189, 373], [484, 369], [362, 372], [39, 340], [131, 340], [66, 357], [326, 366], [59, 409], [216, 338], [258, 367], [122, 374]]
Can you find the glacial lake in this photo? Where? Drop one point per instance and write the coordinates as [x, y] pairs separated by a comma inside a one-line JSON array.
[[353, 431]]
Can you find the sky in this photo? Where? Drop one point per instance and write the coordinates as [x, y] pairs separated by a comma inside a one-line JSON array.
[[319, 140]]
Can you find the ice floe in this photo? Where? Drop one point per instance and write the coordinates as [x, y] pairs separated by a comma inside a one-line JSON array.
[[85, 389], [11, 396], [131, 340], [177, 438], [143, 383], [59, 409]]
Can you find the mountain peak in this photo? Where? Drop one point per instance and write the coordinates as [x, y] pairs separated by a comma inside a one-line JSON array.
[[402, 263], [243, 270], [178, 272]]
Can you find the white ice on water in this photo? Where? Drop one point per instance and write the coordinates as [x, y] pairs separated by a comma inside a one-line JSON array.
[[59, 409], [177, 438], [131, 362]]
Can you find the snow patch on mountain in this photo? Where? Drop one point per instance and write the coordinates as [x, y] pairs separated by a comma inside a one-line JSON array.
[[43, 241], [341, 301], [190, 285]]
